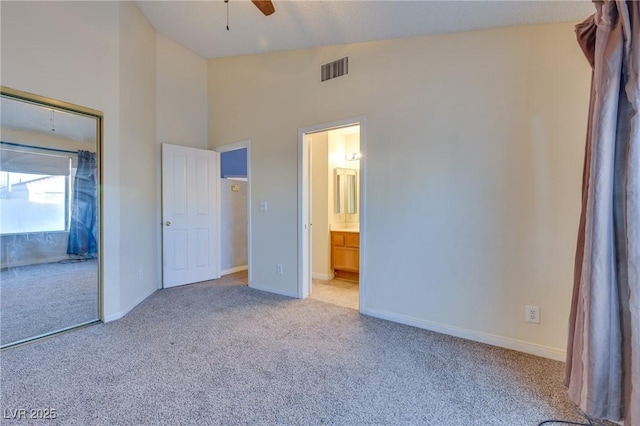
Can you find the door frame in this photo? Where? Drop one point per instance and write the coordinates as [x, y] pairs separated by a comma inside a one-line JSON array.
[[304, 203], [233, 147]]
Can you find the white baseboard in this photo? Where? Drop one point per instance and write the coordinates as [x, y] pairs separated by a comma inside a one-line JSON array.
[[273, 290], [478, 336], [234, 270], [323, 277], [120, 314]]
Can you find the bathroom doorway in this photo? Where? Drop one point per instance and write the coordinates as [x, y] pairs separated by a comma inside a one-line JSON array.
[[234, 181], [331, 188]]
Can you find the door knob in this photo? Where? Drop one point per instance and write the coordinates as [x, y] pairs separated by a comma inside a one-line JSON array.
[[168, 223]]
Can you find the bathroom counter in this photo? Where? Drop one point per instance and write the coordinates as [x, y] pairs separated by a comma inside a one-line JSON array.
[[356, 230]]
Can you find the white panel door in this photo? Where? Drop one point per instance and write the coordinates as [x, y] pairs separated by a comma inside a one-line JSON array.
[[190, 215]]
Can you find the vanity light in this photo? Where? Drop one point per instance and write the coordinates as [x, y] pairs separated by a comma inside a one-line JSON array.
[[354, 156]]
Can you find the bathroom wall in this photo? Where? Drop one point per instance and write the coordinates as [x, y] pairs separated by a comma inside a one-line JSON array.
[[341, 144], [352, 145], [321, 205]]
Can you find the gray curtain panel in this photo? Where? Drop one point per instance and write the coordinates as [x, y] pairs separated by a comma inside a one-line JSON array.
[[603, 351]]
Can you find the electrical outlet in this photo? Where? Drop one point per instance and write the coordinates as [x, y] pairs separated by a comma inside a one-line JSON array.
[[140, 274], [280, 269], [532, 314]]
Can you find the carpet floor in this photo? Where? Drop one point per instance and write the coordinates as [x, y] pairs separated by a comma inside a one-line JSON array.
[[44, 298], [222, 353]]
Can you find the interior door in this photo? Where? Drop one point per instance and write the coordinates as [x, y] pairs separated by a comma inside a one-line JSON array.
[[190, 215]]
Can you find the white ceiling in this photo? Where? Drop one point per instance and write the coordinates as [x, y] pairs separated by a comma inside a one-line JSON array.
[[201, 25], [25, 116]]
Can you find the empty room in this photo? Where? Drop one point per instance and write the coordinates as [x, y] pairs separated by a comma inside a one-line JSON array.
[[439, 212]]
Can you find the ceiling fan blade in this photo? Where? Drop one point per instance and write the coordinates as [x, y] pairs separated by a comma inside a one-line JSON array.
[[265, 6]]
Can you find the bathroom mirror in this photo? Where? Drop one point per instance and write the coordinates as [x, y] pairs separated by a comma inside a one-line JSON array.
[[346, 197], [49, 217]]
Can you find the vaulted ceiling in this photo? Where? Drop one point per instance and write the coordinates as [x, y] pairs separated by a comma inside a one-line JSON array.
[[201, 25]]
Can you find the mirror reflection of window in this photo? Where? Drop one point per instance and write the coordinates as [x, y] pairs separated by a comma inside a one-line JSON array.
[[339, 206], [351, 194], [49, 236], [34, 190], [346, 200]]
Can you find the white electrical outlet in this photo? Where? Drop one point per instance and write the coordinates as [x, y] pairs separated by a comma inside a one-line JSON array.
[[280, 269], [532, 314], [140, 274]]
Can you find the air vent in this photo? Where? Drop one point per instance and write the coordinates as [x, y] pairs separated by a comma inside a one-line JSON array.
[[334, 69]]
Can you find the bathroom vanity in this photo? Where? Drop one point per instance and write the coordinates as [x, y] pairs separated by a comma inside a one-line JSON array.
[[345, 253]]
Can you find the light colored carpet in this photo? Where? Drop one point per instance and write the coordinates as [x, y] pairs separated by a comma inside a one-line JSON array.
[[221, 353], [44, 298], [337, 292]]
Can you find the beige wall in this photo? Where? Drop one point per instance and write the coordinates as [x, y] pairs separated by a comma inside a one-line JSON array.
[[478, 135], [139, 160], [474, 146], [83, 70], [103, 55], [181, 107]]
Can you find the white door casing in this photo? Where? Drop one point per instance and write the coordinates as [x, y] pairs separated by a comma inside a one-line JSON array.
[[190, 215], [306, 265]]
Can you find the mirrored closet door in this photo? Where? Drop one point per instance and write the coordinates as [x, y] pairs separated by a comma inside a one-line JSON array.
[[49, 217]]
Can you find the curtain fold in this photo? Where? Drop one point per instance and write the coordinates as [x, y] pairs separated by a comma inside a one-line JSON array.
[[83, 230], [603, 348]]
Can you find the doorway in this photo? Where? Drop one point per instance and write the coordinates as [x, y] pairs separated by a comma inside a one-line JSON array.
[[235, 209], [331, 191]]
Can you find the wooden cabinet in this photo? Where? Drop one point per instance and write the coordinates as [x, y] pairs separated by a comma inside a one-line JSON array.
[[345, 254]]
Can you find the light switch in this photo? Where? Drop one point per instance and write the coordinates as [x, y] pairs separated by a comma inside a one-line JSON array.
[[263, 206]]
